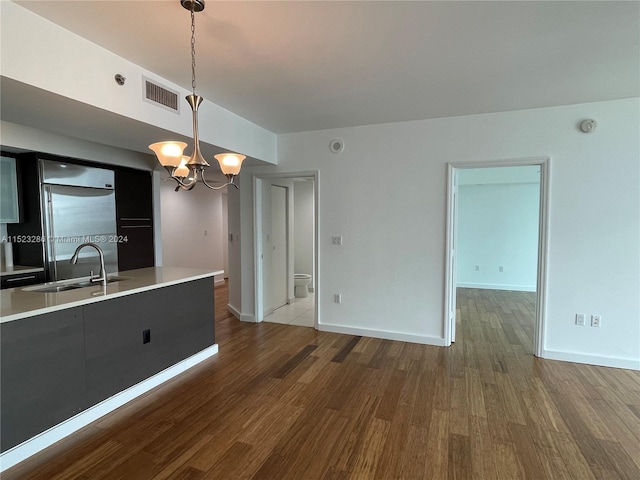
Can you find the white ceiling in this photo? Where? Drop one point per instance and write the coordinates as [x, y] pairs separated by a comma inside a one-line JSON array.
[[297, 66]]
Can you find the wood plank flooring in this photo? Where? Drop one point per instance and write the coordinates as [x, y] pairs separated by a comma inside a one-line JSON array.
[[284, 402]]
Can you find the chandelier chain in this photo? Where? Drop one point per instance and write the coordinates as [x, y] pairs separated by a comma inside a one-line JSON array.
[[193, 52]]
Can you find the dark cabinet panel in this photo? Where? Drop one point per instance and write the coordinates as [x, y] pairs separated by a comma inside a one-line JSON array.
[[178, 321], [21, 279], [29, 249], [43, 375], [134, 212]]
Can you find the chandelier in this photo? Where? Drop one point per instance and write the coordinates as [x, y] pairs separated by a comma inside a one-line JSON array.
[[185, 170]]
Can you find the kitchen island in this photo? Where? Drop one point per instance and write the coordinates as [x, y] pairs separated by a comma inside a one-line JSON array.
[[69, 357]]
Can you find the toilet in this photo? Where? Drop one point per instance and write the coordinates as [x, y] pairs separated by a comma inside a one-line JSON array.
[[300, 283]]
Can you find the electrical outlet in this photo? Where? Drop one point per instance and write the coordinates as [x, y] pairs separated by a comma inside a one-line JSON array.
[[336, 240], [477, 268], [596, 320], [501, 268], [337, 298], [580, 319]]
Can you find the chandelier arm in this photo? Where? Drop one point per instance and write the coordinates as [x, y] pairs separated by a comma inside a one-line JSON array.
[[185, 185], [181, 184], [230, 182]]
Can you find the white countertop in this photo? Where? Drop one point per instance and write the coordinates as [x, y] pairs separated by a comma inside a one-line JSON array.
[[15, 269], [17, 303]]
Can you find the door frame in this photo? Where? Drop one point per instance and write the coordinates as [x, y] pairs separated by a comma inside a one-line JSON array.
[[543, 241], [258, 179]]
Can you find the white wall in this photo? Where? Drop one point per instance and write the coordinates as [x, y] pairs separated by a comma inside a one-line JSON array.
[[497, 227], [303, 214], [390, 270], [234, 249], [193, 230], [225, 233]]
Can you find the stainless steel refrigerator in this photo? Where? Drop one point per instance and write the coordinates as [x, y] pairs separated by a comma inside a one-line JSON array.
[[79, 206]]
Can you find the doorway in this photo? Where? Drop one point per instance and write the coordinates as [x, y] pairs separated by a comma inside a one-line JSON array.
[[285, 205], [528, 277]]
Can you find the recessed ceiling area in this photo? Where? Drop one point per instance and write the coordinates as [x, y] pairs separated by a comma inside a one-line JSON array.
[[299, 66]]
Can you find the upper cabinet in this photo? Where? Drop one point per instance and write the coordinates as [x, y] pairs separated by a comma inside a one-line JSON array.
[[9, 199]]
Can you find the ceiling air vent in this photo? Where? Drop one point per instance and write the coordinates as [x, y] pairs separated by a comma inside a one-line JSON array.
[[160, 96]]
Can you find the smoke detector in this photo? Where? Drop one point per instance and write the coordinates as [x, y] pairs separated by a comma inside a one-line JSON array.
[[588, 126], [336, 146]]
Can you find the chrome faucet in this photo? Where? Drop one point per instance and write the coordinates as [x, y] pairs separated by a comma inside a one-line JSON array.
[[102, 276]]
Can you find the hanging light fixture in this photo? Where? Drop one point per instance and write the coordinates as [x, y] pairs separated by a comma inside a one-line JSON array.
[[187, 171]]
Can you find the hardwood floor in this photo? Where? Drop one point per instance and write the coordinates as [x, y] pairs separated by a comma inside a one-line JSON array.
[[284, 402], [503, 318]]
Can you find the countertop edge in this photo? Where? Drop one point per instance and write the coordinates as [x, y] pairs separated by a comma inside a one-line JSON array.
[[19, 270], [109, 296]]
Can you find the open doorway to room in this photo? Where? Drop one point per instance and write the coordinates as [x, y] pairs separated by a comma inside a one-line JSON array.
[[497, 216], [286, 246], [200, 215]]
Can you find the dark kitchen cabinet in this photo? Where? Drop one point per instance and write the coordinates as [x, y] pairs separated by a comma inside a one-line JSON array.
[[21, 279], [134, 219], [43, 373], [179, 322]]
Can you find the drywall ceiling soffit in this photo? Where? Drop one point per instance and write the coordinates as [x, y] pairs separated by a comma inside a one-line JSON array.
[[27, 105], [297, 66]]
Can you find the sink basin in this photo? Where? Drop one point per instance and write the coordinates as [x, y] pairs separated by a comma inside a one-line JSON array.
[[110, 279], [63, 287], [54, 288]]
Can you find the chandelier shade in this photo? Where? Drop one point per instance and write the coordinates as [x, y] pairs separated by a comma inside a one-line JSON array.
[[169, 153], [182, 171], [230, 163]]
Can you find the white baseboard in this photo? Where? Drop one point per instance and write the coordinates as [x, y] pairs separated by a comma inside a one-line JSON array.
[[241, 316], [600, 361], [490, 286], [386, 335], [47, 438]]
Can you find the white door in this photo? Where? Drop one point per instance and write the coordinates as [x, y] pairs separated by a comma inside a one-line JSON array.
[[278, 246]]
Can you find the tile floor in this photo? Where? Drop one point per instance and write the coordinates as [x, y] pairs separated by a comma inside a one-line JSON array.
[[301, 312]]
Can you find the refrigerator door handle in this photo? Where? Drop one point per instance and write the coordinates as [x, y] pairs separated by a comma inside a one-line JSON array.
[[51, 238]]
